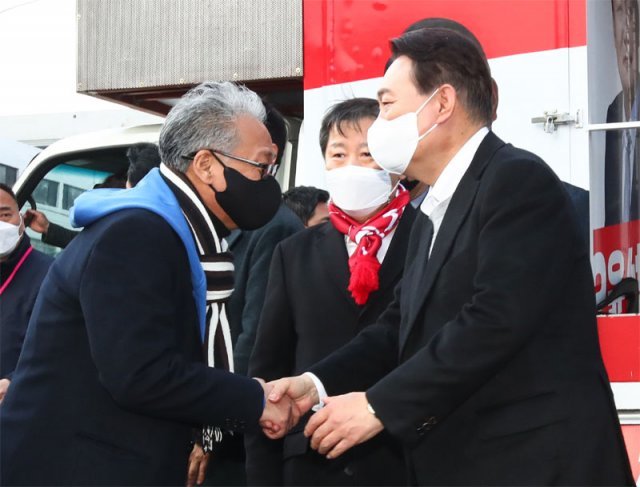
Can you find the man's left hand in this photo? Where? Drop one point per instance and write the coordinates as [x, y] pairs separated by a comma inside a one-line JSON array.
[[197, 469], [343, 423]]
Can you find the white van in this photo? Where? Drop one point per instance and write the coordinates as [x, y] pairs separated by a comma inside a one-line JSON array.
[[71, 166]]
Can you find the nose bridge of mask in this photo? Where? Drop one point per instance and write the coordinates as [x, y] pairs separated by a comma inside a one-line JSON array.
[[357, 187]]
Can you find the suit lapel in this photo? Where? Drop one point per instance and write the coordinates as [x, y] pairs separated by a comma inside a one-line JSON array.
[[333, 251], [459, 206]]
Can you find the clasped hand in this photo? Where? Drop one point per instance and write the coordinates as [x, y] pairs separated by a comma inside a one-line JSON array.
[[342, 423]]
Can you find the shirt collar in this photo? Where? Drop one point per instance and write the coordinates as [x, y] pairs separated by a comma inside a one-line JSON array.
[[448, 181]]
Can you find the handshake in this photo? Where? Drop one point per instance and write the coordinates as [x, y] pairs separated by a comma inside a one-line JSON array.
[[343, 422], [286, 401]]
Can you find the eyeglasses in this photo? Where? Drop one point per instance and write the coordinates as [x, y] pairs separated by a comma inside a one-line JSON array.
[[265, 169]]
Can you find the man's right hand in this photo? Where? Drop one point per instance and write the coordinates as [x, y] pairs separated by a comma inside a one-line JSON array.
[[278, 417], [36, 221], [300, 390]]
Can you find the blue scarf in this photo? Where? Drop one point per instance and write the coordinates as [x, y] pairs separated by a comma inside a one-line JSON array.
[[153, 194]]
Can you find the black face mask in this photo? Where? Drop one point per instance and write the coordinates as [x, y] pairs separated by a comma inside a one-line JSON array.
[[250, 204]]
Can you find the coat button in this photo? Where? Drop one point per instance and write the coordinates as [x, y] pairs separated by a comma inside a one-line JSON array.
[[427, 425]]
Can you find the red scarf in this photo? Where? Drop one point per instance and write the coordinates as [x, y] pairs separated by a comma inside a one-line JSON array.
[[364, 264]]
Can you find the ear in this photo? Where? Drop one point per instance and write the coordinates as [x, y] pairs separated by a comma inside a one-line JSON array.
[[494, 99], [446, 101], [206, 169]]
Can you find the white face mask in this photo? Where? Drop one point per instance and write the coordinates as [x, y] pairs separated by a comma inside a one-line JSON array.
[[9, 237], [357, 190], [392, 143]]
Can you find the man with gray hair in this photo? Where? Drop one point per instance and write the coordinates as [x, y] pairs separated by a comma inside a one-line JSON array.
[[128, 349]]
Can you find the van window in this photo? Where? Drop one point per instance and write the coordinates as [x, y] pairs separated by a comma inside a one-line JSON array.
[[69, 195], [55, 194], [8, 175], [46, 193]]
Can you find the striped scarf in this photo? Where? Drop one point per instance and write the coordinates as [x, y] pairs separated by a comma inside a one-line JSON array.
[[217, 264]]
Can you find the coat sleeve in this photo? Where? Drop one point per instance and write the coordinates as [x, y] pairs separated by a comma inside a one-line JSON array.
[[58, 236], [367, 357], [260, 256], [272, 358], [128, 299], [524, 255]]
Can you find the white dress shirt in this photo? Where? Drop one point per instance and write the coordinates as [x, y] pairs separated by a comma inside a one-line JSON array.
[[437, 200], [434, 206]]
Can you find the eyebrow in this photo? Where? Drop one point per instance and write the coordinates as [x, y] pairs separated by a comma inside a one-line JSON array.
[[383, 91], [268, 152], [6, 208]]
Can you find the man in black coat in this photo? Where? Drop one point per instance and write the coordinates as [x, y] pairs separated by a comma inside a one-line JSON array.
[[22, 269], [128, 350], [310, 311], [487, 364], [252, 251]]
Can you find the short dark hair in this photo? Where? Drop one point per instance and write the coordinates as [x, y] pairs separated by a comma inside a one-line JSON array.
[[143, 157], [9, 191], [442, 56], [348, 112], [302, 200], [277, 127], [442, 23]]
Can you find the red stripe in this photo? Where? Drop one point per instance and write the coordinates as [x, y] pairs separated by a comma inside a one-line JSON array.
[[347, 40]]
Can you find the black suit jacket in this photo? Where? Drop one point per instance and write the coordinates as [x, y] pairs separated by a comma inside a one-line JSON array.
[[613, 161], [580, 199], [487, 364], [309, 313], [16, 302], [111, 381], [252, 252]]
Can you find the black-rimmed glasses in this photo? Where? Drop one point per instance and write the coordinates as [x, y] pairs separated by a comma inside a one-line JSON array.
[[265, 169]]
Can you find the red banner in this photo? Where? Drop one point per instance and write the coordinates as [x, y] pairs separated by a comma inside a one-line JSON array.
[[347, 40], [620, 346], [616, 250]]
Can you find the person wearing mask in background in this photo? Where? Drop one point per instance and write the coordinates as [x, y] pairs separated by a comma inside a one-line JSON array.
[[22, 269], [252, 251], [142, 157], [128, 347], [309, 203], [325, 285], [487, 365]]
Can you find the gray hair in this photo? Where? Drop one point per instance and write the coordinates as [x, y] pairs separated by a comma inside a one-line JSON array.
[[205, 117]]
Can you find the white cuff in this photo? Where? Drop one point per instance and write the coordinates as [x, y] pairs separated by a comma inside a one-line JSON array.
[[322, 392]]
